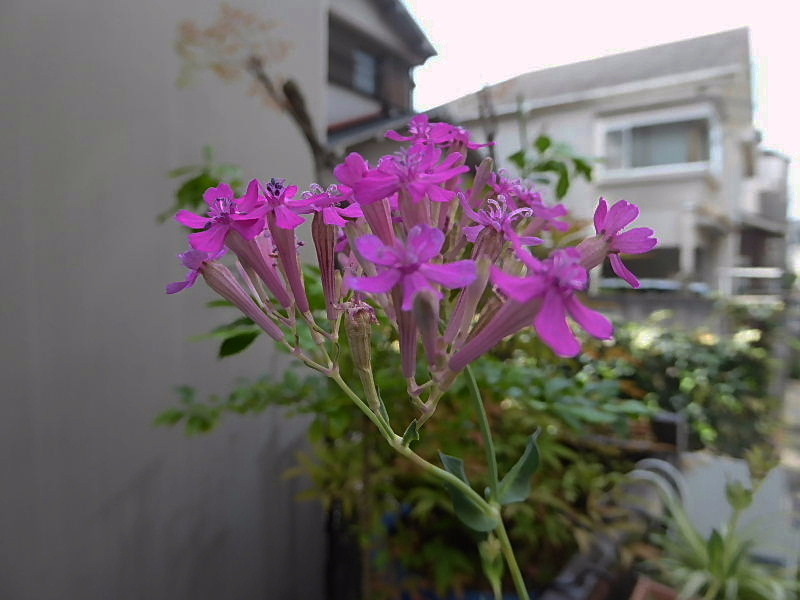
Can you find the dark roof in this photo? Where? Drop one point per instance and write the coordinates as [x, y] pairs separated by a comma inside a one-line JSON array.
[[406, 26], [707, 52]]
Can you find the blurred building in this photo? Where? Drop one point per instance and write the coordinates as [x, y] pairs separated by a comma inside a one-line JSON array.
[[373, 46], [672, 127]]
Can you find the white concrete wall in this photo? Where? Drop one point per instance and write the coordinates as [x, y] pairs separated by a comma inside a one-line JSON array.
[[345, 105], [96, 503]]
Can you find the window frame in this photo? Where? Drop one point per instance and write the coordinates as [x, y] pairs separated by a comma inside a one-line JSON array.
[[629, 120]]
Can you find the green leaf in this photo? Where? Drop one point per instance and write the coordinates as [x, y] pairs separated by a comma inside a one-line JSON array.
[[562, 187], [190, 194], [219, 303], [234, 345], [181, 171], [516, 485], [411, 434], [169, 417], [466, 508], [518, 158], [583, 167], [542, 143]]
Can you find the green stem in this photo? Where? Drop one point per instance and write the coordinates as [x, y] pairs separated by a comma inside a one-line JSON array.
[[390, 436], [511, 560], [491, 457], [396, 442], [491, 509]]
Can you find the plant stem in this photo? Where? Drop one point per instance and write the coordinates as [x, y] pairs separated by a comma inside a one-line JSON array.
[[492, 509], [390, 436], [511, 560], [396, 442], [491, 457]]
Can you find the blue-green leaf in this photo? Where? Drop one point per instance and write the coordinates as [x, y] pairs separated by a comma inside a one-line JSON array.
[[466, 508], [516, 485]]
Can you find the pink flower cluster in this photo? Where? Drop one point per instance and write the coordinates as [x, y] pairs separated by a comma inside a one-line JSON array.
[[458, 259]]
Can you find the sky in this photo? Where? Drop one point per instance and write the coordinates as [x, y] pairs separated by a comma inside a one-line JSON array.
[[482, 42]]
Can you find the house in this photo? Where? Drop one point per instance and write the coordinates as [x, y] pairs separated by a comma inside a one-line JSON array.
[[672, 127], [373, 47]]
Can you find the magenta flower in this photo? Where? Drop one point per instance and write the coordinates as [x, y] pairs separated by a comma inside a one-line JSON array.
[[192, 260], [519, 193], [416, 170], [422, 131], [410, 266], [335, 206], [277, 197], [608, 223], [226, 213], [377, 213], [546, 297], [499, 217]]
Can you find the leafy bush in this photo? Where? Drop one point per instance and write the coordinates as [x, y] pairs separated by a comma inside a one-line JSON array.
[[721, 382]]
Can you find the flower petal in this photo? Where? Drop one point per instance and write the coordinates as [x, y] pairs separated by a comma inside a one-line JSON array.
[[212, 240], [551, 324], [373, 249], [223, 190], [249, 228], [521, 289], [635, 241], [177, 286], [425, 242], [188, 218], [286, 219], [471, 233], [330, 216], [600, 214], [592, 321], [374, 187], [379, 284], [453, 275], [620, 215], [413, 284], [622, 271]]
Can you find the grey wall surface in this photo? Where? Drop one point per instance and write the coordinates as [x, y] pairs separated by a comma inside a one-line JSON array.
[[96, 503]]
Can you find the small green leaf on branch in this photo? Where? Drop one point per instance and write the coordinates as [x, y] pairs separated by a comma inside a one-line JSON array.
[[234, 345], [411, 434], [516, 485], [472, 514]]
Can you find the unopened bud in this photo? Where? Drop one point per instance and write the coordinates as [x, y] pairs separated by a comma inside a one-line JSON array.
[[426, 313], [359, 317]]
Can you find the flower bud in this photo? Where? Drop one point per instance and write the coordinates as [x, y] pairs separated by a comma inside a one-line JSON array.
[[358, 320], [426, 312], [324, 237], [222, 281]]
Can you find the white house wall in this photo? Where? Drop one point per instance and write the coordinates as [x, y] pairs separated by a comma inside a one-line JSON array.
[[345, 105], [97, 503]]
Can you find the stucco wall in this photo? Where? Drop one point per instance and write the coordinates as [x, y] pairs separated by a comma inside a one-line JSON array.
[[96, 503]]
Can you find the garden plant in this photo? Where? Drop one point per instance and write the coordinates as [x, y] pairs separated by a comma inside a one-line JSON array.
[[451, 268]]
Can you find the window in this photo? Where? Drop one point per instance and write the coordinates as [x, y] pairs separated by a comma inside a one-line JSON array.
[[365, 72], [650, 145]]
